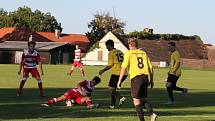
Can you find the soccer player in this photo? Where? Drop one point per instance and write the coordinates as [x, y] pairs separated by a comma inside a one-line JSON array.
[[140, 69], [77, 61], [115, 58], [174, 73], [30, 58], [80, 94]]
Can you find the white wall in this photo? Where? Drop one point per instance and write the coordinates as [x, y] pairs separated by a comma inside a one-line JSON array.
[[91, 58], [18, 57]]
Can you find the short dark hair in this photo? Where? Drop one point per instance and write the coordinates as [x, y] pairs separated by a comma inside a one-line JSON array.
[[97, 79], [109, 42], [172, 44]]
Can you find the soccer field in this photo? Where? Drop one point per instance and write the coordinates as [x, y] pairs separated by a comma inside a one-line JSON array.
[[199, 105]]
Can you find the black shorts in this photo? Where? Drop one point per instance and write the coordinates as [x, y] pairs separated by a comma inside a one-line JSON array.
[[139, 86], [172, 79], [114, 80]]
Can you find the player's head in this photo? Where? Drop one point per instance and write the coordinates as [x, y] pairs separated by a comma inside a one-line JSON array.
[[132, 43], [96, 80], [31, 45], [77, 46], [171, 46], [109, 44]]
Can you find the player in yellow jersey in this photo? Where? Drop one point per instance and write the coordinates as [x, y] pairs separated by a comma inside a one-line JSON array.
[[174, 73], [140, 68], [115, 58]]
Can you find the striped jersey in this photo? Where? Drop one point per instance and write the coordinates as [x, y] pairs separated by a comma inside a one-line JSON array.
[[86, 88], [30, 59], [77, 55]]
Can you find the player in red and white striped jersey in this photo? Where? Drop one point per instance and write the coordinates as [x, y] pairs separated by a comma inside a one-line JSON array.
[[29, 60], [77, 61], [80, 94]]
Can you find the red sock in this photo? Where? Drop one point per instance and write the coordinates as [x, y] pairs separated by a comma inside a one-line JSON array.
[[52, 101], [22, 83], [70, 72], [40, 85], [82, 71], [88, 102]]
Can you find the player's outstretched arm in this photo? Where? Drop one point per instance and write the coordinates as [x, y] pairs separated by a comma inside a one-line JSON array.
[[176, 68], [21, 65], [40, 64], [41, 68], [151, 81], [80, 84], [122, 73], [104, 69]]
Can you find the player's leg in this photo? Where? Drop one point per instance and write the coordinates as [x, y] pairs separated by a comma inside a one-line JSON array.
[[137, 93], [112, 90], [55, 100], [147, 106], [71, 69], [149, 109], [183, 90], [24, 79], [175, 79], [121, 98], [36, 75], [21, 85], [82, 71], [169, 87], [81, 68], [139, 109], [87, 100], [145, 103], [71, 94]]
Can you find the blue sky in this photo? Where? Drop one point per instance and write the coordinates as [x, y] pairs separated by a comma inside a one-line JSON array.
[[188, 17]]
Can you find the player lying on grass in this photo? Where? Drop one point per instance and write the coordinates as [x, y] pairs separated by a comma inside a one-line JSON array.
[[80, 94]]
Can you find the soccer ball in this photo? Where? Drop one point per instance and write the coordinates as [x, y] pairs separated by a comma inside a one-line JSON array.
[[69, 103]]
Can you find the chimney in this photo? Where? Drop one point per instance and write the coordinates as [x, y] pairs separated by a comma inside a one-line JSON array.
[[30, 38], [57, 33]]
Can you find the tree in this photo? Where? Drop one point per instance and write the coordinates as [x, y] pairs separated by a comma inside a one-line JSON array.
[[5, 20], [25, 17], [102, 24]]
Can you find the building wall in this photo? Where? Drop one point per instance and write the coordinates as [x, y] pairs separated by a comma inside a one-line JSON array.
[[211, 55], [14, 57], [92, 58], [18, 57], [196, 63], [95, 58], [45, 57]]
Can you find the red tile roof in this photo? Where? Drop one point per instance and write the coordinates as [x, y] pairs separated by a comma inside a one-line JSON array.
[[64, 37], [4, 31], [22, 34]]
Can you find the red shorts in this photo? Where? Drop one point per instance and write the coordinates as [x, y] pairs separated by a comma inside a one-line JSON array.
[[34, 72], [77, 63], [75, 95]]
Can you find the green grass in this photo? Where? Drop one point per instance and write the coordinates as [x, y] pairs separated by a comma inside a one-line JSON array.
[[199, 105]]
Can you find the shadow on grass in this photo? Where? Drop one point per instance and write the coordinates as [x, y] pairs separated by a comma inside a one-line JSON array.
[[28, 106]]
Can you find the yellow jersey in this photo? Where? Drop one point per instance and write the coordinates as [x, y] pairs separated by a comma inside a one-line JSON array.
[[115, 59], [137, 62], [175, 59]]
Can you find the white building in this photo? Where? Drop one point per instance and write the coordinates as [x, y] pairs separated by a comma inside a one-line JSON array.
[[99, 56]]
